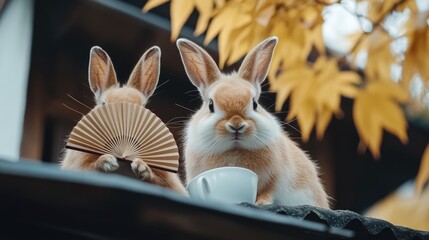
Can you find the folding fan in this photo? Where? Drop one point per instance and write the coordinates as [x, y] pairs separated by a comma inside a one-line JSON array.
[[126, 131]]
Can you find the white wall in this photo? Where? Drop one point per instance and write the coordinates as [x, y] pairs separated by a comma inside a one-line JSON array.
[[16, 26]]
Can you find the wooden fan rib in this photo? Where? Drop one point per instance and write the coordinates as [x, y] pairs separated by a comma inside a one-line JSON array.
[[104, 120], [141, 117], [148, 133], [97, 128], [159, 131], [98, 118], [82, 149], [77, 144], [112, 123], [165, 140], [85, 132], [80, 136], [115, 110], [139, 133], [165, 148], [132, 120]]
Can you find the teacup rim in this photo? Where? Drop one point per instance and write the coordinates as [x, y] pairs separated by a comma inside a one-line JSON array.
[[218, 168]]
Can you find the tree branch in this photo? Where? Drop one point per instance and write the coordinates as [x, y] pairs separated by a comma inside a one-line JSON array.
[[375, 25]]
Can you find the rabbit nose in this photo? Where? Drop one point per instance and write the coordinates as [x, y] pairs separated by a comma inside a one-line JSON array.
[[236, 128]]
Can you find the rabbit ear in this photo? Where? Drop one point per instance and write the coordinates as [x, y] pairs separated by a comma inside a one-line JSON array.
[[256, 64], [102, 74], [199, 66], [146, 72]]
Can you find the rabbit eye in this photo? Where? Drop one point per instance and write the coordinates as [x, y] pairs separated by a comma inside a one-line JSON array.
[[103, 103], [255, 104], [211, 107]]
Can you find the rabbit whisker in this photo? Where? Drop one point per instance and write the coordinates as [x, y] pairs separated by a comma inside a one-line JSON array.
[[190, 91], [83, 104], [294, 128], [176, 118], [74, 110], [85, 84], [162, 84], [184, 107]]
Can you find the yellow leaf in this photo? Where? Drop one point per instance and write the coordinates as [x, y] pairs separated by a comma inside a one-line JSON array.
[[303, 106], [315, 93], [380, 57], [302, 86], [179, 13], [224, 17], [205, 9], [423, 174], [376, 108], [287, 81], [331, 84], [153, 4], [278, 30], [416, 59], [306, 119], [317, 38], [241, 44], [219, 3], [224, 47], [264, 16], [377, 8], [293, 46], [300, 38], [324, 117]]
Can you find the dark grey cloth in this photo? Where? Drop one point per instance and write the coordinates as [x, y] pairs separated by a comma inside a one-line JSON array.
[[364, 227]]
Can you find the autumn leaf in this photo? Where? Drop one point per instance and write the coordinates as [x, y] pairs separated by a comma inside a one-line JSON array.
[[423, 174], [377, 9], [417, 57], [380, 56], [179, 13], [153, 4], [315, 93], [205, 9], [376, 108], [288, 81], [180, 10], [317, 39], [292, 49]]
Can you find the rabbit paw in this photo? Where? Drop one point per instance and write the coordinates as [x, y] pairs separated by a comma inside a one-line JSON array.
[[266, 200], [106, 163], [141, 169]]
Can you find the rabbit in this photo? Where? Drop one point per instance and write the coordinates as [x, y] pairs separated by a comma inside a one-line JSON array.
[[139, 87], [232, 129]]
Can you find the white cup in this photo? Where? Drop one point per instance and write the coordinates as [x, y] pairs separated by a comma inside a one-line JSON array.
[[230, 185]]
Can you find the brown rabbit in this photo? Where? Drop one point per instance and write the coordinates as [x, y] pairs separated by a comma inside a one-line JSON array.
[[140, 86], [232, 129]]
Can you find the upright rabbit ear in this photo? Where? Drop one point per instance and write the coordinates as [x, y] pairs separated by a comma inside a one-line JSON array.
[[199, 66], [102, 74], [146, 72], [256, 64]]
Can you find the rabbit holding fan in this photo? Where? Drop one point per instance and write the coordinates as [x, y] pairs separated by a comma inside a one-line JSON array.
[[232, 129], [106, 88]]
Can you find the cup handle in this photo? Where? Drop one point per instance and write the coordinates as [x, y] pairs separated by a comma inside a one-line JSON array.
[[203, 188]]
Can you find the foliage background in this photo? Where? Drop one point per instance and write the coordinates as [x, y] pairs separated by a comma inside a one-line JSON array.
[[383, 65]]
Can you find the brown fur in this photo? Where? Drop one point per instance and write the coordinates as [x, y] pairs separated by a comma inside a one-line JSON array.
[[283, 169], [140, 86]]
